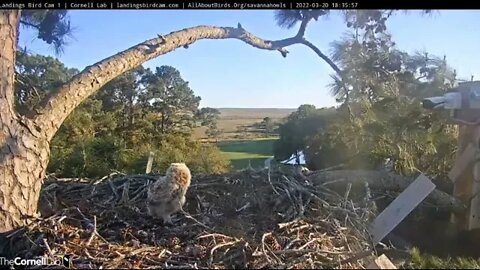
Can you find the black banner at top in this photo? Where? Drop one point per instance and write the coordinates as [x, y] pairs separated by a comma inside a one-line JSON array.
[[247, 4]]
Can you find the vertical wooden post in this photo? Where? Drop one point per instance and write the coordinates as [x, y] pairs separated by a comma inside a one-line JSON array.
[[149, 163], [466, 171]]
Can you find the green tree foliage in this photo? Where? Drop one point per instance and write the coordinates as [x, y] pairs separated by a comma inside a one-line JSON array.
[[53, 26], [120, 98], [382, 88], [208, 116], [36, 77], [121, 124], [301, 126], [170, 100], [289, 18]]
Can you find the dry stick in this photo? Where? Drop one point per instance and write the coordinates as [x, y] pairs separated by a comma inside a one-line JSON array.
[[47, 246], [17, 231], [219, 246], [106, 177], [114, 190], [265, 251], [357, 257], [214, 235], [243, 207], [94, 232], [263, 246], [283, 225], [270, 182], [30, 240], [139, 192], [303, 251], [125, 195], [347, 193], [187, 215], [309, 242]]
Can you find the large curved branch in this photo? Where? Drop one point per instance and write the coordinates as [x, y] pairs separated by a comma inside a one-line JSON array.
[[56, 108]]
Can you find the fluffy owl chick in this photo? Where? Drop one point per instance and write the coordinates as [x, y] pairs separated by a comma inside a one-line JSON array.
[[167, 195]]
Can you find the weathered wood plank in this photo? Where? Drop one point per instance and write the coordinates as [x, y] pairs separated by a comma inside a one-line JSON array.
[[396, 211], [382, 262], [149, 163], [474, 217], [462, 162]]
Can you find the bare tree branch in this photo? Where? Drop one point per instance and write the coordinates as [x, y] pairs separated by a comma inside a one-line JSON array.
[[336, 69], [323, 56], [57, 107], [29, 24], [303, 27]]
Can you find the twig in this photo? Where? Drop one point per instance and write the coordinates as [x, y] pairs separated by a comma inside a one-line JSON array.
[[125, 197], [347, 193], [106, 177], [270, 182], [333, 181], [187, 215], [308, 243], [303, 251], [213, 235], [283, 225], [357, 257], [47, 246], [114, 190], [212, 251], [263, 246], [94, 231]]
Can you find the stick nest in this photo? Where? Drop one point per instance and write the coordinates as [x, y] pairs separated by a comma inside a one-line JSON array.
[[249, 219]]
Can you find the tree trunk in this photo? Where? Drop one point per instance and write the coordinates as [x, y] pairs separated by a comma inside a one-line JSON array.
[[22, 170], [23, 152]]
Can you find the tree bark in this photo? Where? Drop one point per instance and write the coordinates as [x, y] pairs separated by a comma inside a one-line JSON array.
[[381, 181], [23, 151]]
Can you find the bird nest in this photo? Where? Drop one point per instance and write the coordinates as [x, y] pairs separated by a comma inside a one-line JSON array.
[[249, 219]]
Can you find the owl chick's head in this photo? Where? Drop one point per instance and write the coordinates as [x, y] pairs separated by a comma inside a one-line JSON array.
[[179, 173]]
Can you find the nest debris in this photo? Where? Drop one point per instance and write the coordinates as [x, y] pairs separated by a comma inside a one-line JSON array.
[[249, 219]]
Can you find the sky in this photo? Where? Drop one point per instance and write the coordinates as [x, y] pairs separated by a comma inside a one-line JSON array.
[[230, 73]]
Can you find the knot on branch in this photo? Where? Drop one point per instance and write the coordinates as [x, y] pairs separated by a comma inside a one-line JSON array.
[[149, 48], [283, 51], [162, 39]]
